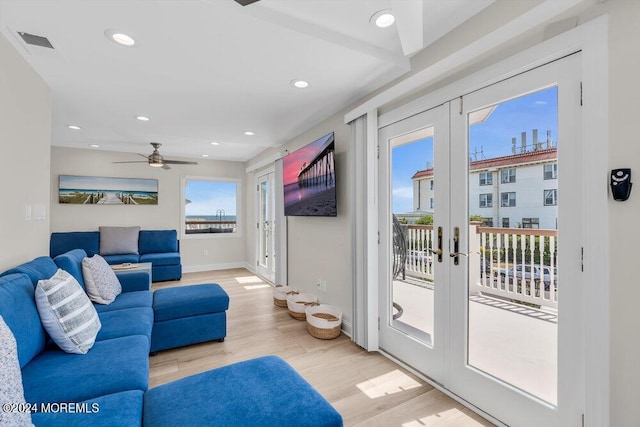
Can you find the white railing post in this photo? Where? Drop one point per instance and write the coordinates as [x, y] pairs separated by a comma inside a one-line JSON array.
[[475, 286]]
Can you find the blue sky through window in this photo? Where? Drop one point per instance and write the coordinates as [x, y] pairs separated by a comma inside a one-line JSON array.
[[207, 197]]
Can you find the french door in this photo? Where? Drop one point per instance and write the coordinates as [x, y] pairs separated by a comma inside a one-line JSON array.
[[266, 266], [481, 230]]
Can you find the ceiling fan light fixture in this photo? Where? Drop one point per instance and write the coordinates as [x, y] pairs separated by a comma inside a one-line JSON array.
[[382, 18], [119, 37], [155, 165]]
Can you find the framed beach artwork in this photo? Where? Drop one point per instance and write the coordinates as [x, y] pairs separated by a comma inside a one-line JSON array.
[[94, 190]]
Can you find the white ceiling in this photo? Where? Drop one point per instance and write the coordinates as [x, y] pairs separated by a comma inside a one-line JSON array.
[[207, 70]]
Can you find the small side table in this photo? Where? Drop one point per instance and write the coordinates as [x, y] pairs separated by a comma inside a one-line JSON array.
[[133, 268]]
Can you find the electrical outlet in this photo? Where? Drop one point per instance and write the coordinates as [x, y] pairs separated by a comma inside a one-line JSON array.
[[205, 252], [323, 286]]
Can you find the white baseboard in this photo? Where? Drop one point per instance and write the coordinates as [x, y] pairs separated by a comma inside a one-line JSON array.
[[209, 267]]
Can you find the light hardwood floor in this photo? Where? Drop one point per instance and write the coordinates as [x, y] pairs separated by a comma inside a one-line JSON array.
[[366, 388]]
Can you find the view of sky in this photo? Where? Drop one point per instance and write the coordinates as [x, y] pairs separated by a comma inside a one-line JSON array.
[[208, 196], [492, 138]]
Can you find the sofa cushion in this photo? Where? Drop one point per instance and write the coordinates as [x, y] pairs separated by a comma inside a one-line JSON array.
[[265, 391], [71, 262], [100, 281], [168, 258], [118, 409], [120, 259], [60, 243], [126, 322], [158, 241], [183, 301], [111, 366], [40, 268], [118, 240], [18, 308], [67, 313], [11, 390], [128, 300]]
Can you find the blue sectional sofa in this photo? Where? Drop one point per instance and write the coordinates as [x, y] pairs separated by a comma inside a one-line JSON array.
[[107, 386], [114, 373], [159, 247]]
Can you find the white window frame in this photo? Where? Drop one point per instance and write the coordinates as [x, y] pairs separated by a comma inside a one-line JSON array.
[[511, 172], [488, 178], [488, 200], [555, 197], [239, 220], [553, 170], [508, 205]]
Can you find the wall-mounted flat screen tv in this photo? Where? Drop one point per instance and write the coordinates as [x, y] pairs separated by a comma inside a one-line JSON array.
[[310, 179]]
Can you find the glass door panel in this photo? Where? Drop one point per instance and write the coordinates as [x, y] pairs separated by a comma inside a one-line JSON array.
[[266, 224]]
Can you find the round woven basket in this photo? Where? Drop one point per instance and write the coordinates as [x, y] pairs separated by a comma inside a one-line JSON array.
[[298, 302], [324, 321], [280, 295]]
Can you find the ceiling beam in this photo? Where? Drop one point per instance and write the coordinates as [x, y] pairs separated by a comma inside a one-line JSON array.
[[409, 16], [263, 13]]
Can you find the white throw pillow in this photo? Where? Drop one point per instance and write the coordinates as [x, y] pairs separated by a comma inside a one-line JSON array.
[[100, 281], [11, 391], [66, 313]]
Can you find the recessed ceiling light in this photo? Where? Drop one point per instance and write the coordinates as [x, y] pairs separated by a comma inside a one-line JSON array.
[[142, 118], [215, 143], [74, 127], [119, 37], [383, 18], [249, 133], [205, 155], [300, 84], [94, 146]]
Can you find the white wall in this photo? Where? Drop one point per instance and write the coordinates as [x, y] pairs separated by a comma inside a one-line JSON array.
[[624, 151], [223, 251], [25, 137], [318, 247]]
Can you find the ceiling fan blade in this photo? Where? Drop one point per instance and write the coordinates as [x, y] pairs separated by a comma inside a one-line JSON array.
[[165, 167], [178, 162], [133, 162], [142, 155], [245, 2]]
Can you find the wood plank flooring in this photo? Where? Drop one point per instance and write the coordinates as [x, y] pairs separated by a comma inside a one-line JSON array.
[[366, 388]]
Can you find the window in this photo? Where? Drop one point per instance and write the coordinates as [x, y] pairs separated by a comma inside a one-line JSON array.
[[431, 185], [486, 178], [431, 202], [210, 207], [531, 223], [508, 200], [551, 171], [505, 222], [550, 197], [508, 176], [486, 200], [487, 222]]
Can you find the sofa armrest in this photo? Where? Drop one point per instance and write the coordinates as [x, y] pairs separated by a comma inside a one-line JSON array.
[[134, 281]]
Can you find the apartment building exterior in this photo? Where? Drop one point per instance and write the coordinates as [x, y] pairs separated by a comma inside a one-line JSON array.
[[514, 191]]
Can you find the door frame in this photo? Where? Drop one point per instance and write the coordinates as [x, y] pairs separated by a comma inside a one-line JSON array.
[[258, 203], [592, 39]]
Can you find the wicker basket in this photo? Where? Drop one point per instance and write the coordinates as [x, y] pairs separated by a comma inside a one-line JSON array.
[[280, 295], [324, 321], [298, 302]]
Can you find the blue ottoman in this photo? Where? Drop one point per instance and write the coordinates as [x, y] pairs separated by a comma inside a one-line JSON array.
[[188, 315], [259, 392]]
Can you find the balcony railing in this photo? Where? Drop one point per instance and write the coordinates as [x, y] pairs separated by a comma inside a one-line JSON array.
[[201, 227], [513, 263]]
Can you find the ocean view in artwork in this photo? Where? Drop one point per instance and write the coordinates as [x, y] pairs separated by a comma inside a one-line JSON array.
[[89, 190]]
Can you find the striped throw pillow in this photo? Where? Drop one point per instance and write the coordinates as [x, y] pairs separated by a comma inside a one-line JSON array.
[[11, 391], [66, 313]]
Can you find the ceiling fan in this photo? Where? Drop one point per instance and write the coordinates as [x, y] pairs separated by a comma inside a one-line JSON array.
[[156, 159], [245, 2]]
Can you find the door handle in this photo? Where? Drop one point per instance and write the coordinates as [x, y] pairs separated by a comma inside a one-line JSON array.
[[439, 250], [456, 246]]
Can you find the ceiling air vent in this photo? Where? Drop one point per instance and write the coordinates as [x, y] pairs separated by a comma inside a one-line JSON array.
[[34, 40]]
